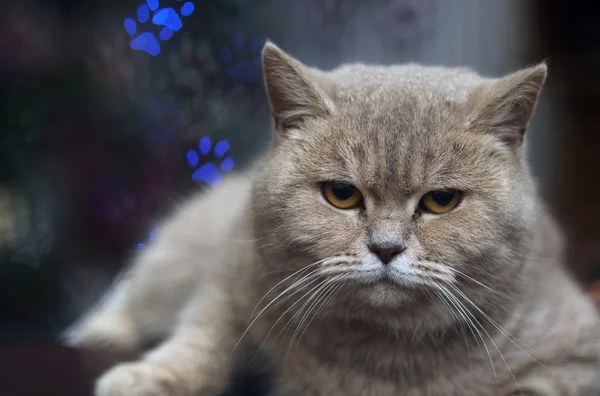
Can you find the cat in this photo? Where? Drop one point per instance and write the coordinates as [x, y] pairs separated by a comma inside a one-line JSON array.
[[391, 242]]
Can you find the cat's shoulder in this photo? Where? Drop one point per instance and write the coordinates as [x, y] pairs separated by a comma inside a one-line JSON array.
[[212, 212]]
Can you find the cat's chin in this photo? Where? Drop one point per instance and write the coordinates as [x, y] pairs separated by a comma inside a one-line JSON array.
[[386, 295]]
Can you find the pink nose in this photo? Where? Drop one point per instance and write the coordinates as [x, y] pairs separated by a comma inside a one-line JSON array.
[[387, 253]]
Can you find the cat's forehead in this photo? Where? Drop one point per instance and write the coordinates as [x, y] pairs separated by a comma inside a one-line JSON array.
[[386, 86], [388, 162], [410, 100], [395, 104], [402, 128]]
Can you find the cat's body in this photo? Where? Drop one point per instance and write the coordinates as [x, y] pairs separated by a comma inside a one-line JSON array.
[[381, 298]]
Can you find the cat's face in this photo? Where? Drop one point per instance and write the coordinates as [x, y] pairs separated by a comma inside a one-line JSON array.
[[397, 187]]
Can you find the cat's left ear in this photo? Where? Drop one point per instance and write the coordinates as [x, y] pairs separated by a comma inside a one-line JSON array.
[[296, 92], [505, 106]]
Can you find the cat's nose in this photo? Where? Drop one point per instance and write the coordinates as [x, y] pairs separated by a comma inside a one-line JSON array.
[[387, 252]]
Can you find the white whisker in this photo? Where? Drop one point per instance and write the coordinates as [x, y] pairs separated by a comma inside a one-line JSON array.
[[288, 324], [279, 283], [478, 282], [305, 278], [311, 278], [286, 311], [325, 261], [458, 319], [322, 299], [504, 332], [488, 335], [315, 295], [471, 321]]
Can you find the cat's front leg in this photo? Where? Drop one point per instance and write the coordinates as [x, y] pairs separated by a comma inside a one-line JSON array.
[[170, 370], [196, 359], [139, 379]]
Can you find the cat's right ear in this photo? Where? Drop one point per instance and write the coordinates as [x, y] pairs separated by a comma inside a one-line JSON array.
[[296, 93], [505, 106]]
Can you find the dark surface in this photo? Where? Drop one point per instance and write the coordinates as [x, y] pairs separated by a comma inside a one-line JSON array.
[[31, 369], [46, 369]]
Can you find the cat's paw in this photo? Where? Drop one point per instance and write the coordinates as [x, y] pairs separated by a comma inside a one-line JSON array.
[[103, 332], [138, 379]]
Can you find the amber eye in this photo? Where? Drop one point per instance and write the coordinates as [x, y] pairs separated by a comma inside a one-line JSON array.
[[440, 201], [342, 195]]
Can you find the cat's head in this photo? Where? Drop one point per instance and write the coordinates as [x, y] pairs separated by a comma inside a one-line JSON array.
[[401, 182]]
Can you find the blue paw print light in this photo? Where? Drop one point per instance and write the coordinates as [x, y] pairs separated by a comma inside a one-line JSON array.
[[210, 172], [167, 19], [242, 58]]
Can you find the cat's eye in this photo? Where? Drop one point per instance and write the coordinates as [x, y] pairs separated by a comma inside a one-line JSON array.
[[342, 195], [440, 201]]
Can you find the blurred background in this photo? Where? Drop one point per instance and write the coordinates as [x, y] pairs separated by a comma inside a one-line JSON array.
[[113, 111]]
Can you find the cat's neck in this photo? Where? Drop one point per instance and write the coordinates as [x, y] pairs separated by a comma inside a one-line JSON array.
[[403, 357]]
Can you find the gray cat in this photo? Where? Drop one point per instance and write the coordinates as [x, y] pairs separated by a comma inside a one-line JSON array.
[[391, 242]]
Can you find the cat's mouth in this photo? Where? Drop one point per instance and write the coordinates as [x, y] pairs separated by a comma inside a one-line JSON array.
[[392, 279], [388, 287]]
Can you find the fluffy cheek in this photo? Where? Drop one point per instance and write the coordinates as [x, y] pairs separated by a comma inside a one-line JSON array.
[[323, 229], [481, 239], [328, 230]]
